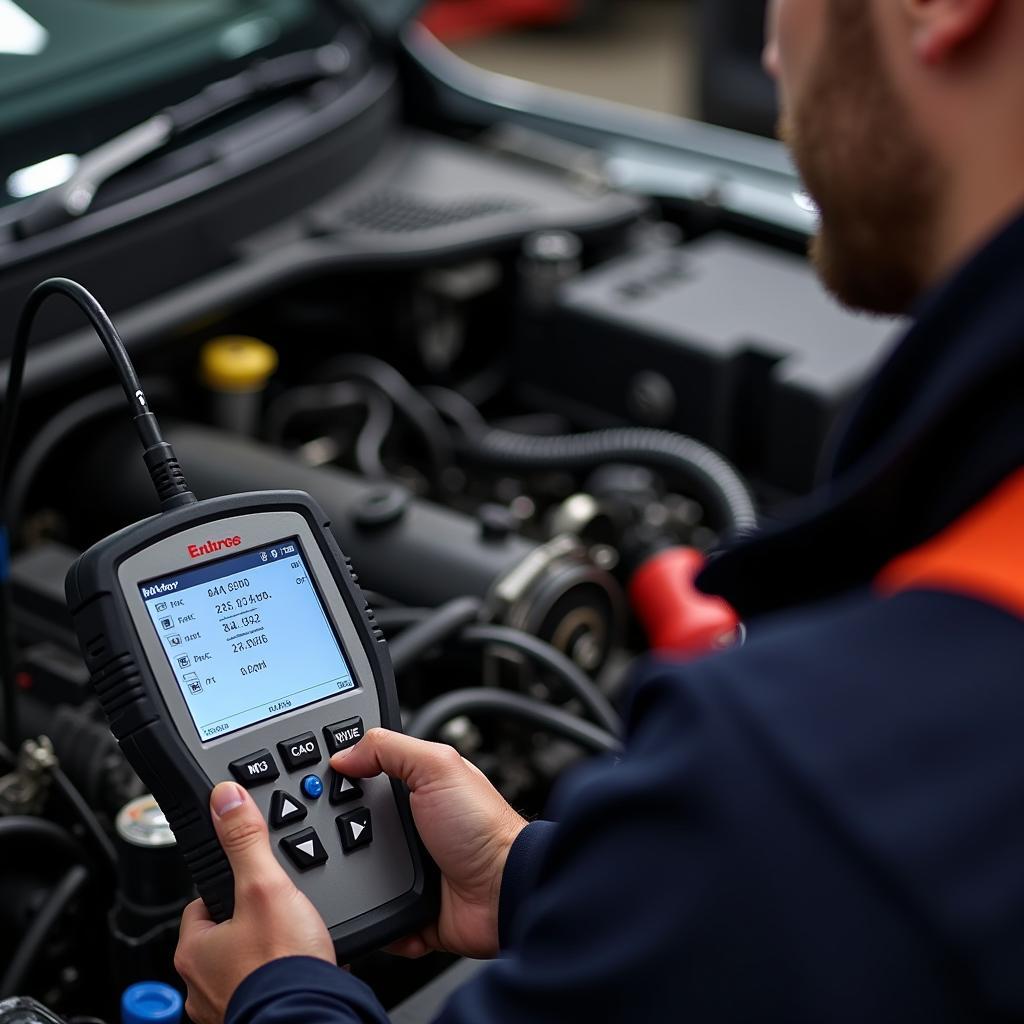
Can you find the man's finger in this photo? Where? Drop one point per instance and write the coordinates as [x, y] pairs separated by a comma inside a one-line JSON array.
[[415, 762], [410, 948], [195, 918], [243, 834]]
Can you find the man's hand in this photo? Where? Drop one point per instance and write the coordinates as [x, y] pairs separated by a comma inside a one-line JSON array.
[[272, 918], [466, 825]]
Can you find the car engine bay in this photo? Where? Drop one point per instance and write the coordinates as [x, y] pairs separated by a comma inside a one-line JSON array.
[[531, 401]]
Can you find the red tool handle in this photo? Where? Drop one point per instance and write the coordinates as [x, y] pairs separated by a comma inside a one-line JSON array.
[[679, 618]]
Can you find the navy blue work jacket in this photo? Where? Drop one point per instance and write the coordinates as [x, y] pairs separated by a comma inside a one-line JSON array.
[[826, 825]]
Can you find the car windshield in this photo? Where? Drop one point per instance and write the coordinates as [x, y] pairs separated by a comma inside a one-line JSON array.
[[73, 75]]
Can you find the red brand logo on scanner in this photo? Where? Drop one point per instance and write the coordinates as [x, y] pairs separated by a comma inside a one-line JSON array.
[[208, 547]]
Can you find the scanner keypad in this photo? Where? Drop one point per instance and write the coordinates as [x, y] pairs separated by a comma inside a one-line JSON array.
[[306, 849]]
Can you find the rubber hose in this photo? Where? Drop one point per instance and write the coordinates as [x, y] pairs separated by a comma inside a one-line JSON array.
[[40, 833], [39, 931], [407, 400], [69, 420], [428, 632], [714, 480], [427, 722], [582, 687], [104, 847], [409, 621]]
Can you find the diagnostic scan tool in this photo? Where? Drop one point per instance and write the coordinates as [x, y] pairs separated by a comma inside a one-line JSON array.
[[227, 639]]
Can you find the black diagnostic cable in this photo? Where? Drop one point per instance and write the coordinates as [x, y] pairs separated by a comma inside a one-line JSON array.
[[44, 922], [168, 479], [428, 721]]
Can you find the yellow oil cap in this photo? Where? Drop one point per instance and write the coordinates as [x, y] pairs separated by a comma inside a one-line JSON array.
[[237, 363]]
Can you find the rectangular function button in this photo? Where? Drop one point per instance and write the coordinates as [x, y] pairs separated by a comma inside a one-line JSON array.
[[299, 751], [343, 734], [255, 769]]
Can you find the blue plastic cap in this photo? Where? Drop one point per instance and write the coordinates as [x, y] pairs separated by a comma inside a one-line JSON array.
[[149, 1001], [312, 786]]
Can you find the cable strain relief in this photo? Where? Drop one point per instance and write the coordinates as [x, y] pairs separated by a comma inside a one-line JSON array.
[[168, 477]]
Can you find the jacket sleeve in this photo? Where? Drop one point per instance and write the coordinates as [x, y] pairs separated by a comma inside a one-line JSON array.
[[521, 869], [303, 989]]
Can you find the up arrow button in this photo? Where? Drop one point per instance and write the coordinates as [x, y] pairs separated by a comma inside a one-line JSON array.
[[343, 789], [285, 810]]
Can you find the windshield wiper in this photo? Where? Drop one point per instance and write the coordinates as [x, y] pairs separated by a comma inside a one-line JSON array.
[[66, 202]]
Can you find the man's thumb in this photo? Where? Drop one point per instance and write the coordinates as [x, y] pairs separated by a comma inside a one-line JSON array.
[[243, 834]]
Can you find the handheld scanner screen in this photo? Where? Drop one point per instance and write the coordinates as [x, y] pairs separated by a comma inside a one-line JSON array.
[[247, 637]]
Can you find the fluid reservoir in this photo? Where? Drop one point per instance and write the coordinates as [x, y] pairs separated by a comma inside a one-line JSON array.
[[235, 370], [152, 870], [153, 888]]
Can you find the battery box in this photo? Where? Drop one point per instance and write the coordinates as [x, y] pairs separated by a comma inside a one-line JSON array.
[[729, 341]]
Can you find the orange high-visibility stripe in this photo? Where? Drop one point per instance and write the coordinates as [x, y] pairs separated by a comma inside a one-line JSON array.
[[981, 555]]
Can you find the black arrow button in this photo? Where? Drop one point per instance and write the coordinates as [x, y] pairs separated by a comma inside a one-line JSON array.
[[343, 789], [305, 849], [285, 809]]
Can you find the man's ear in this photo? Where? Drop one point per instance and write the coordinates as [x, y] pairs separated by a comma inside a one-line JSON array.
[[940, 28]]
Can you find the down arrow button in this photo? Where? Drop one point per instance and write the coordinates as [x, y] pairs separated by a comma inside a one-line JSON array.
[[305, 849]]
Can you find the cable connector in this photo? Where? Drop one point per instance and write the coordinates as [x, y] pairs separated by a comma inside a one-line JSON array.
[[164, 469], [168, 477]]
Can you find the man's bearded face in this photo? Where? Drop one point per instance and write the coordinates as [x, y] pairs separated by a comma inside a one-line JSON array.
[[878, 189]]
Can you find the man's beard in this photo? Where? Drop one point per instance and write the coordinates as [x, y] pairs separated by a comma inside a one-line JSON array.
[[877, 188]]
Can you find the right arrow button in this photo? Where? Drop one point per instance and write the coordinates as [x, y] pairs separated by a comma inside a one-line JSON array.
[[355, 829]]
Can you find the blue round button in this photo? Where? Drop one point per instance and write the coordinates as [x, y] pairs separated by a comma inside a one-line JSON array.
[[312, 786], [151, 1002]]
